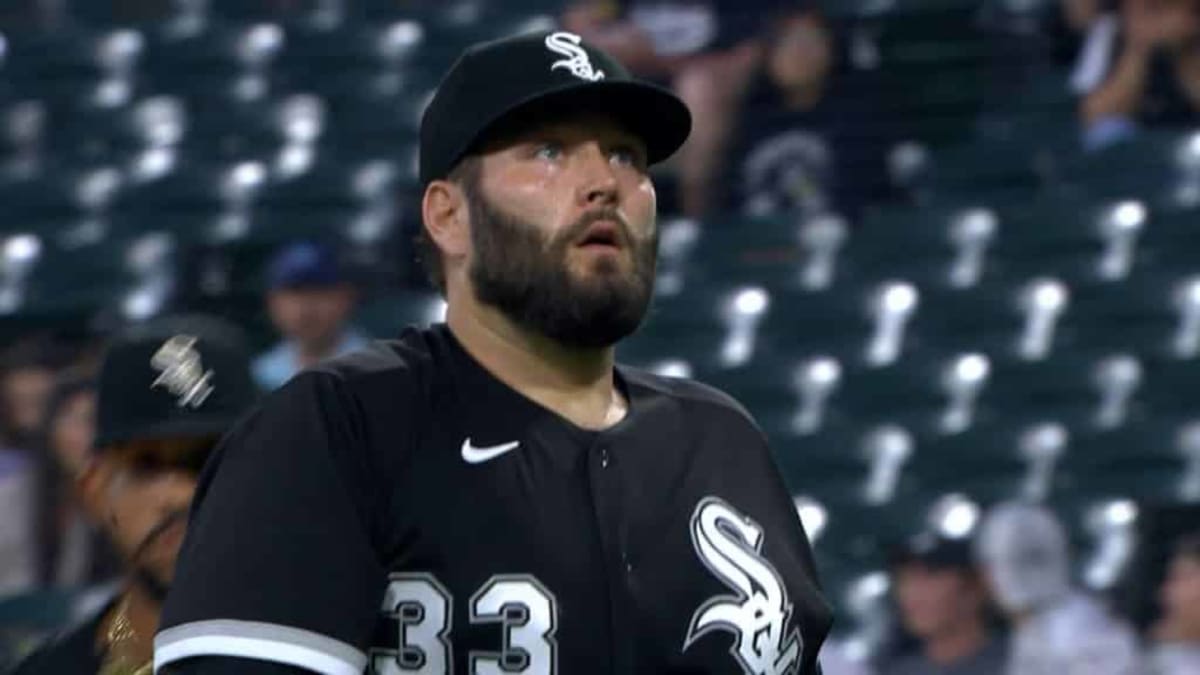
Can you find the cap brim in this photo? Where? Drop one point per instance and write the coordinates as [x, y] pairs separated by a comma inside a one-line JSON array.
[[195, 427], [653, 113]]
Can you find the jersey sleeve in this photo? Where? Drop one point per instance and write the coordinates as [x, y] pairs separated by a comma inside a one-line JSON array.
[[224, 665], [796, 563], [279, 564]]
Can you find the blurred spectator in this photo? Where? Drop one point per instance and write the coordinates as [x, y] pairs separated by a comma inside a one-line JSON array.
[[1079, 31], [1057, 629], [1095, 24], [806, 141], [706, 50], [1144, 72], [1176, 636], [167, 391], [27, 373], [1080, 15], [70, 550], [17, 490], [943, 602], [310, 302]]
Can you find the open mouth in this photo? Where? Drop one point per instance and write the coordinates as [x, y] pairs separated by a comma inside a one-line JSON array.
[[603, 234]]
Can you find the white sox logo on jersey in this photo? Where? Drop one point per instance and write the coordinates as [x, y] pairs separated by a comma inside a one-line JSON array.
[[730, 545], [577, 61]]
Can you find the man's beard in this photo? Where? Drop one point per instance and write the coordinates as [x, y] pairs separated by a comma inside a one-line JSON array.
[[519, 271], [154, 581]]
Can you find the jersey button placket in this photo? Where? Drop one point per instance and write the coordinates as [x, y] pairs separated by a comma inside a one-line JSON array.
[[606, 495]]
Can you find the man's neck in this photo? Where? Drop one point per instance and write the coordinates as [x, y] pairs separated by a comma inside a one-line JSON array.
[[139, 612], [313, 353], [578, 384], [957, 642]]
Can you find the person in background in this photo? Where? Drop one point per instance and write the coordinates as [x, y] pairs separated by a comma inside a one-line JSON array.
[[806, 142], [1056, 628], [71, 551], [1086, 30], [1176, 635], [310, 302], [27, 372], [943, 602], [167, 391], [706, 50], [17, 498], [28, 369], [1146, 75]]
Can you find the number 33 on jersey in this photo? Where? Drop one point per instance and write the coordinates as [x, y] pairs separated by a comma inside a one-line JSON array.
[[525, 612]]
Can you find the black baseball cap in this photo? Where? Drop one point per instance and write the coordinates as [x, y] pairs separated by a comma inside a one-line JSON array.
[[176, 377], [541, 73], [934, 550]]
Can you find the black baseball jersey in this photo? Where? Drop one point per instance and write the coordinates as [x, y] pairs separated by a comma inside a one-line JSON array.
[[401, 510]]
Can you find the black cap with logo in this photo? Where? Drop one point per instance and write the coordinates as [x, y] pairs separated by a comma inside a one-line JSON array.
[[175, 377], [542, 73]]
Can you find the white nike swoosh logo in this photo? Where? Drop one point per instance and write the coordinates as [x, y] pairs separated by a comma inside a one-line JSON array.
[[474, 455]]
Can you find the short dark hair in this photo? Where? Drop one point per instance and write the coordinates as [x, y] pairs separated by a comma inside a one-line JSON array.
[[466, 175]]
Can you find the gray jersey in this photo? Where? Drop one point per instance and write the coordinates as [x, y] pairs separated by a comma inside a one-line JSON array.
[[1074, 636]]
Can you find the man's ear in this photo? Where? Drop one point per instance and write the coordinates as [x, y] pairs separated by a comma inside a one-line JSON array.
[[446, 218]]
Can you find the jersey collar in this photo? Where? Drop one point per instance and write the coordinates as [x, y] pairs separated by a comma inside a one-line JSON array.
[[495, 413]]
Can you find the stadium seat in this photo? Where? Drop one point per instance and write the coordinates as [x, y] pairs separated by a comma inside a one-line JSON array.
[[1151, 166], [76, 65], [332, 185], [42, 201], [194, 189], [222, 63], [255, 129], [357, 59], [865, 323], [91, 134]]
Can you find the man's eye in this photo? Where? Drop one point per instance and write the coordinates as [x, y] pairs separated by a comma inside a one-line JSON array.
[[625, 155], [548, 151]]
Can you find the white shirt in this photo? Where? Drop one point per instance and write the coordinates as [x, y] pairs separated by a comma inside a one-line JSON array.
[[1175, 659], [1075, 636]]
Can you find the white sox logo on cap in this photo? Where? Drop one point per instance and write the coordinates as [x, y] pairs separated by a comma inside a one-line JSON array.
[[577, 60], [181, 371]]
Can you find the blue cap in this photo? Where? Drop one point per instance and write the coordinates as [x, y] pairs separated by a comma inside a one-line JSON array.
[[304, 265]]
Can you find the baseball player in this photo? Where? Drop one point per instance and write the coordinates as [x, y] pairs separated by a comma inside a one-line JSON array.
[[166, 392], [493, 495]]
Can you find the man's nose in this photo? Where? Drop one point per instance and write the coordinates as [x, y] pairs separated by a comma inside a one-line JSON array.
[[598, 184]]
